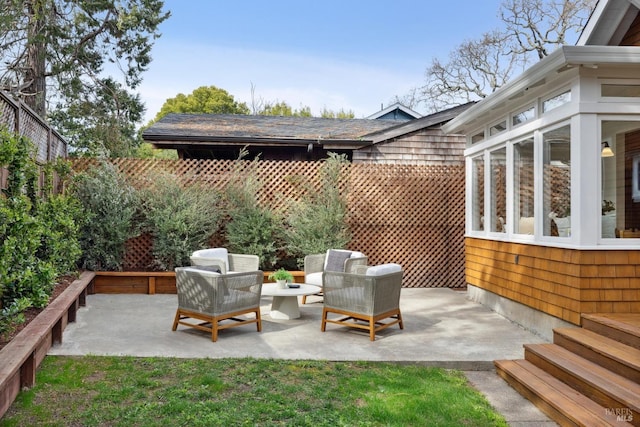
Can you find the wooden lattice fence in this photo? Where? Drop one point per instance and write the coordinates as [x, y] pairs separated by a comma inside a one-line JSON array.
[[409, 214]]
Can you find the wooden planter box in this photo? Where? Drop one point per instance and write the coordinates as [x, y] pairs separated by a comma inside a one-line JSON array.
[[20, 359], [148, 282]]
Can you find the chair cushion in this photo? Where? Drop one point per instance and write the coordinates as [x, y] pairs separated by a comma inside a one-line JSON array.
[[356, 254], [217, 253], [335, 259], [379, 270], [201, 270], [313, 279]]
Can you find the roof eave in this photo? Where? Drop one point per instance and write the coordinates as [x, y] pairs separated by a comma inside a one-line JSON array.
[[564, 58]]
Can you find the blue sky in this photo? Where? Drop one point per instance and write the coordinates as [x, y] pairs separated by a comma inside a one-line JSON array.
[[351, 54]]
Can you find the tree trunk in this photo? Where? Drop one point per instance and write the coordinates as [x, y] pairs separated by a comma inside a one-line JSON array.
[[34, 94]]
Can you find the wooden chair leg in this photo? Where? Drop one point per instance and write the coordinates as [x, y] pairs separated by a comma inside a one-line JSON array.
[[259, 322], [175, 320], [214, 330], [372, 329], [323, 325], [400, 319], [304, 299]]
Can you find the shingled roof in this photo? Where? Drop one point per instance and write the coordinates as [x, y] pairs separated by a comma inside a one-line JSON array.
[[229, 127]]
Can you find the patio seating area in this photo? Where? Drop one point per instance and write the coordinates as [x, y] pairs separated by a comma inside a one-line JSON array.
[[441, 328]]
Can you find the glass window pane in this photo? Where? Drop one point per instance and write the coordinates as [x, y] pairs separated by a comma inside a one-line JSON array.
[[497, 128], [523, 186], [498, 190], [477, 137], [621, 180], [556, 101], [557, 182], [477, 175], [620, 91], [523, 116]]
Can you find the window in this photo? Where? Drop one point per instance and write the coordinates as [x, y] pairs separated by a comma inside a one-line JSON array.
[[477, 192], [523, 187], [523, 116], [497, 128], [556, 178], [477, 137], [556, 101], [620, 200], [498, 190], [620, 90]]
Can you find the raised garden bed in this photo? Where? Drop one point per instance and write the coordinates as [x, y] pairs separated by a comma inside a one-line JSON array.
[[148, 282], [20, 358]]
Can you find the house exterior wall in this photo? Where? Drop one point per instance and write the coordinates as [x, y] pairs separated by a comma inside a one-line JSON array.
[[427, 146], [560, 282]]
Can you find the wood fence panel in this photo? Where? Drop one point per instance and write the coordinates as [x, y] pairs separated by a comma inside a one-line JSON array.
[[409, 214]]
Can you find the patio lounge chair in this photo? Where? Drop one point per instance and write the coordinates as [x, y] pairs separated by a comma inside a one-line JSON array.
[[212, 298], [226, 262], [366, 298], [333, 260]]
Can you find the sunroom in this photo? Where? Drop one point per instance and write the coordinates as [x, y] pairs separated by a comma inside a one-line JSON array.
[[553, 188]]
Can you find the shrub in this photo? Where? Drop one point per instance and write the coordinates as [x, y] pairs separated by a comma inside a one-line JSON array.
[[317, 221], [252, 229], [180, 219], [109, 204], [27, 267]]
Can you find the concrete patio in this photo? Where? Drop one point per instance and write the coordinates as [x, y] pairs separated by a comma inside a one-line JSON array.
[[442, 328]]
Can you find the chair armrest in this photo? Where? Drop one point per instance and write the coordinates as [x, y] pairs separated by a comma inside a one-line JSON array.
[[350, 264], [243, 262], [314, 263]]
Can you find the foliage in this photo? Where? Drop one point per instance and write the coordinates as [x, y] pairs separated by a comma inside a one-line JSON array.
[[38, 232], [206, 100], [531, 29], [100, 122], [281, 108], [146, 151], [251, 229], [236, 392], [109, 205], [281, 274], [180, 218], [318, 221], [12, 315], [63, 49], [342, 114], [608, 206]]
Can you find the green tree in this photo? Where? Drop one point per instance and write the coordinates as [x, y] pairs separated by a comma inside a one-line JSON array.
[[64, 50], [205, 99], [281, 108], [342, 114]]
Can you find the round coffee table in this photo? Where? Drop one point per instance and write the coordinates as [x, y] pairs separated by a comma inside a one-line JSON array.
[[285, 301]]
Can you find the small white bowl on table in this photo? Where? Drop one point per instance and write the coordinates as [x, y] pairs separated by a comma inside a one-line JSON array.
[[285, 300]]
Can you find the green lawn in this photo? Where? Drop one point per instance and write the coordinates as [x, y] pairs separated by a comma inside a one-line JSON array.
[[127, 391]]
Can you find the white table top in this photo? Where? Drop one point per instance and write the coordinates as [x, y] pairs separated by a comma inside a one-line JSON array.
[[272, 290]]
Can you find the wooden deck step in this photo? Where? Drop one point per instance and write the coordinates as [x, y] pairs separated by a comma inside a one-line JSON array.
[[559, 401], [606, 352], [599, 384], [622, 327]]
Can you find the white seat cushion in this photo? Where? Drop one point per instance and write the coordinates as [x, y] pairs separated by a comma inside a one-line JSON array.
[[313, 279], [215, 253], [379, 270]]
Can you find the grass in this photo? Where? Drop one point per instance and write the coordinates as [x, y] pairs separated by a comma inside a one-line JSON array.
[[128, 391]]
